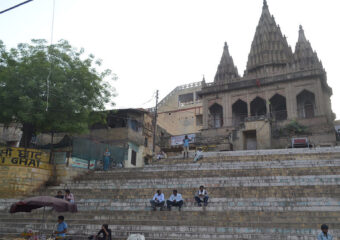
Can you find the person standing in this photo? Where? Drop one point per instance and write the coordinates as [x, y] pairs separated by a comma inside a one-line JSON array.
[[107, 156], [175, 200], [61, 228], [186, 141], [201, 196], [324, 235], [157, 200]]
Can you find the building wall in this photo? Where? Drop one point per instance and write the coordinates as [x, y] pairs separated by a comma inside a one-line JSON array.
[[319, 125], [22, 175], [177, 117]]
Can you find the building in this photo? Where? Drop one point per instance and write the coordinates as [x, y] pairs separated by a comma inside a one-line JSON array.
[[180, 112], [127, 128], [280, 93]]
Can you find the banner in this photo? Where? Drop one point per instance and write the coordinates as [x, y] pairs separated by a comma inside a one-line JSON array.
[[178, 140], [81, 163], [24, 157]]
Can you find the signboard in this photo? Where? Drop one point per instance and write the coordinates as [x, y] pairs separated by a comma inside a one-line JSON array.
[[81, 163], [24, 157], [178, 140]]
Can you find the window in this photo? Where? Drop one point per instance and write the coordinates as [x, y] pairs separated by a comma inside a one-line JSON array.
[[199, 120], [186, 98], [133, 157], [145, 142]]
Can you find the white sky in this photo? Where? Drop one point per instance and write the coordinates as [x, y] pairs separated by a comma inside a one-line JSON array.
[[160, 44]]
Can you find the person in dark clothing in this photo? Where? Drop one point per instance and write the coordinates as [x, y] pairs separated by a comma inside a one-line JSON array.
[[60, 195], [103, 234]]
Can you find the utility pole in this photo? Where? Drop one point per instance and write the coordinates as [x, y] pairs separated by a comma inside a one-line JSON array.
[[155, 125]]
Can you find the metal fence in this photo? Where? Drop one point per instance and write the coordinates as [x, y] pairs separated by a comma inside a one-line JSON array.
[[90, 150]]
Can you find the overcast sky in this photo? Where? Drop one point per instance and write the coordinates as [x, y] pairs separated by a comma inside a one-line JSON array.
[[160, 44]]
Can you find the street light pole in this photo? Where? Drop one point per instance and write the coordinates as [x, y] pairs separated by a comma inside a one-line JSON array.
[[155, 125]]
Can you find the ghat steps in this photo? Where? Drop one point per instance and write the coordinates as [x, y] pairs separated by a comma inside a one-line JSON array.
[[265, 194]]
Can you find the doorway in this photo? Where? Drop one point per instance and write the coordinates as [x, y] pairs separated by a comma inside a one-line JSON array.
[[250, 142]]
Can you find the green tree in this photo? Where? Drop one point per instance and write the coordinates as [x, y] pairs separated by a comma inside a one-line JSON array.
[[51, 88]]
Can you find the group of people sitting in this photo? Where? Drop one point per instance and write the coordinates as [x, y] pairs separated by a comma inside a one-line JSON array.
[[68, 196], [176, 200]]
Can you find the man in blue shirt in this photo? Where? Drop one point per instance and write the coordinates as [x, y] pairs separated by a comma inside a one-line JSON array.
[[324, 235], [157, 200], [175, 200], [61, 228], [186, 141]]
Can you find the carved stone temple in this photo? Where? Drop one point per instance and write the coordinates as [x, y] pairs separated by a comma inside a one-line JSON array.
[[281, 95]]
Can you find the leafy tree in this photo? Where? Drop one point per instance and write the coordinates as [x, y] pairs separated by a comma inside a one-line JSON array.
[[50, 88]]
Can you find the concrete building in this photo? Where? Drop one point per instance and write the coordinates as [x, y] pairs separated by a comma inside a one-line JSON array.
[[180, 112], [279, 89]]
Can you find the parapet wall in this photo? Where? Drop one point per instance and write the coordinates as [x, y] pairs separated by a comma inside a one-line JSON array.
[[24, 170]]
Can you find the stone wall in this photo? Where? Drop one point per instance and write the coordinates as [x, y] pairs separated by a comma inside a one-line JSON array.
[[23, 171]]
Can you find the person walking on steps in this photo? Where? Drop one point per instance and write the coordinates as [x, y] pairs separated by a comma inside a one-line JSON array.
[[186, 141]]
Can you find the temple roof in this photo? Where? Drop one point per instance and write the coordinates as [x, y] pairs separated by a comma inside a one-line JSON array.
[[226, 70], [304, 56], [269, 46]]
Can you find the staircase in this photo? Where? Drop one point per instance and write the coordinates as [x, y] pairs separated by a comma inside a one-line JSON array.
[[264, 194]]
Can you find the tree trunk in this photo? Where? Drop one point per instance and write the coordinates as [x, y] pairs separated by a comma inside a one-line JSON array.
[[27, 134]]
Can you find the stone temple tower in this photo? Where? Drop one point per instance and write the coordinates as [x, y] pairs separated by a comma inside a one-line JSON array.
[[282, 95]]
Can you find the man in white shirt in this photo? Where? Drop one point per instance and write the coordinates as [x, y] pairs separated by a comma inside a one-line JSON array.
[[175, 200], [157, 200], [324, 235], [202, 196]]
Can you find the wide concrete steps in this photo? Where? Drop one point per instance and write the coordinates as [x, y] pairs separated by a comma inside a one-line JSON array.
[[162, 183], [292, 191], [194, 170], [153, 232], [215, 204], [270, 194]]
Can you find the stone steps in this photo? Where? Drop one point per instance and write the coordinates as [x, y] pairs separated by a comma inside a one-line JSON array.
[[191, 232], [269, 194], [255, 171], [215, 192], [202, 218], [163, 183], [215, 204]]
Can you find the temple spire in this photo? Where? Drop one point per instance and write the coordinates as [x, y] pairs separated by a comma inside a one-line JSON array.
[[269, 51], [226, 70], [304, 55], [265, 5], [302, 37]]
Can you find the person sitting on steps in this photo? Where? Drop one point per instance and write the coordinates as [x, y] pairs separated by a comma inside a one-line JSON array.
[[201, 196], [186, 141], [69, 196], [198, 155], [175, 200], [157, 200], [103, 234], [60, 195]]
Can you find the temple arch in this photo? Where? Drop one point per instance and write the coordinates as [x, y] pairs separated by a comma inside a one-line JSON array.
[[216, 116], [306, 104], [278, 107], [240, 111], [258, 107]]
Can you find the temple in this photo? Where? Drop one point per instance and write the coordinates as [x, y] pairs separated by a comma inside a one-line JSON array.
[[282, 95]]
